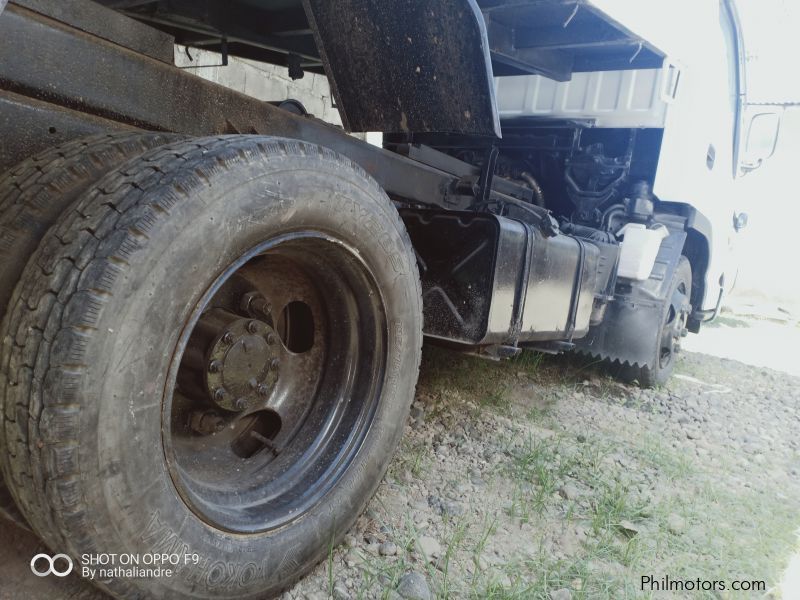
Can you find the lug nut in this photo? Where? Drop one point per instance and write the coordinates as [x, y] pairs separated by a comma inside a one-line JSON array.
[[214, 366], [240, 403], [270, 339], [274, 363], [263, 390], [251, 301], [227, 338], [252, 326], [219, 394]]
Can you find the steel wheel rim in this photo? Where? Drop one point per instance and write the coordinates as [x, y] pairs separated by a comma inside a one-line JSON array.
[[271, 448]]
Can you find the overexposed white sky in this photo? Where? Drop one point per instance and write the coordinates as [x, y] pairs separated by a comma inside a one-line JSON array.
[[772, 43]]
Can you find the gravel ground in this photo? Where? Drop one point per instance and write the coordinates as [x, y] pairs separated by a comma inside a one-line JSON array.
[[543, 478]]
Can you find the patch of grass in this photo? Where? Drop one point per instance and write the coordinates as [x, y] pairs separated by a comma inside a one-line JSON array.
[[674, 465], [536, 577], [529, 361], [449, 376], [487, 531], [538, 469], [413, 457], [497, 399], [454, 544], [538, 414], [613, 505]]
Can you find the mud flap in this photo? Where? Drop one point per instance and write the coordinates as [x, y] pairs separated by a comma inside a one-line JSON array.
[[407, 66], [632, 322]]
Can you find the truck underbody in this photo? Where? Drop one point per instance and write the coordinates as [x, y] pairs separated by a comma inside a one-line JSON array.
[[568, 168], [513, 223]]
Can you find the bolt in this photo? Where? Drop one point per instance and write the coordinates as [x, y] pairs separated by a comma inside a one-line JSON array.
[[214, 366], [250, 301], [240, 403], [227, 338], [220, 393], [274, 363], [270, 339], [252, 326]]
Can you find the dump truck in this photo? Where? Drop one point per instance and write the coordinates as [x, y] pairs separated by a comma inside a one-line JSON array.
[[214, 305]]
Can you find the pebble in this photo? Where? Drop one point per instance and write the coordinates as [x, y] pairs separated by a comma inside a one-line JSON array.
[[340, 591], [429, 547], [562, 594], [414, 586], [354, 558], [387, 549], [569, 491]]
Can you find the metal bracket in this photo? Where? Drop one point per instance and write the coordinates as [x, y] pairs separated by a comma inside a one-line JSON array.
[[223, 51]]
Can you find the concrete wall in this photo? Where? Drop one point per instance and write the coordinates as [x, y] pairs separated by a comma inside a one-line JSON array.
[[263, 81]]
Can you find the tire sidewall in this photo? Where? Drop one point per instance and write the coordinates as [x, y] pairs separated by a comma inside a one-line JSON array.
[[128, 489]]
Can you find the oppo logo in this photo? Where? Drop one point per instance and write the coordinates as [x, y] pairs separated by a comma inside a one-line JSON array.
[[50, 561]]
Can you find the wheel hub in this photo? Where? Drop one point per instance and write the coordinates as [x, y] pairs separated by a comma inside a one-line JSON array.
[[277, 383], [242, 364]]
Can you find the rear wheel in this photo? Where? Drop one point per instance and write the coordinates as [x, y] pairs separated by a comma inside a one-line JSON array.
[[672, 329], [220, 363]]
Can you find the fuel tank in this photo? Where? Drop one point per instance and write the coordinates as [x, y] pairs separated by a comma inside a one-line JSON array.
[[488, 279]]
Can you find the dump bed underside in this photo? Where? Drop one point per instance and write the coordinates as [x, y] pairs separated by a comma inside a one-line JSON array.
[[400, 67]]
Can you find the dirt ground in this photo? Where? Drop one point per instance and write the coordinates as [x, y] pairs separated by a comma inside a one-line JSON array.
[[543, 478]]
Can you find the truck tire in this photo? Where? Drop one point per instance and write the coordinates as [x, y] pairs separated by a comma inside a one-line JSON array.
[[39, 189], [36, 191], [673, 328], [212, 356]]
